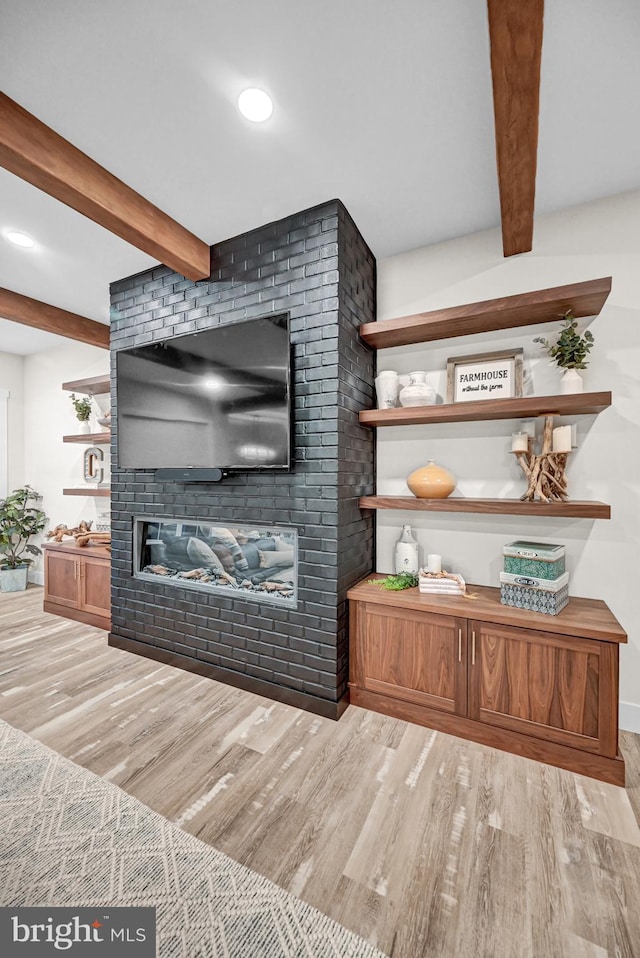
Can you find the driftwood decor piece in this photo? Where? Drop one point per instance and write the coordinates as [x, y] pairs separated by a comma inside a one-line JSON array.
[[82, 534], [95, 538], [62, 530], [544, 472]]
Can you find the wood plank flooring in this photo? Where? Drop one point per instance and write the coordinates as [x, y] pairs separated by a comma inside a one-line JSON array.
[[420, 842]]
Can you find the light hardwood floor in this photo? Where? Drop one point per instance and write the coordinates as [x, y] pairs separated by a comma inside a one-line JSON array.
[[422, 843]]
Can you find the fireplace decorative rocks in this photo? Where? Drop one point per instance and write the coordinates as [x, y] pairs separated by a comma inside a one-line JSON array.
[[255, 562], [314, 267]]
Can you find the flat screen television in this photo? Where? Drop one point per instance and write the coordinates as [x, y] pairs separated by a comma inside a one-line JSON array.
[[212, 400]]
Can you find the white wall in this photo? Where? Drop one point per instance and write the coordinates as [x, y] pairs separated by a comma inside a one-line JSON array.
[[50, 464], [12, 380], [590, 241]]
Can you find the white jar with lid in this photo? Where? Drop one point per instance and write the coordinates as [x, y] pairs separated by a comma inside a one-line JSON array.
[[417, 393]]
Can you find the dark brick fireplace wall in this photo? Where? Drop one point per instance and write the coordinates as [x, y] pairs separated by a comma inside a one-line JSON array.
[[315, 266]]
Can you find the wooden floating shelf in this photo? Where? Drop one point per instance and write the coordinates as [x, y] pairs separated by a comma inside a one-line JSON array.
[[94, 386], [97, 438], [485, 409], [524, 309], [88, 491], [577, 509]]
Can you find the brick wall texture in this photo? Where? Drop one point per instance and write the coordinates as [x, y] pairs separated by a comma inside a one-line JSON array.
[[316, 267]]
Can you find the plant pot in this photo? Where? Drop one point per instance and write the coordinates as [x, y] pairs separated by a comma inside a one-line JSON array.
[[84, 425], [571, 382], [431, 482], [14, 580]]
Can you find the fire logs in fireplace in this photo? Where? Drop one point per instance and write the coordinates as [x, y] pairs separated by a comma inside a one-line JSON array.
[[258, 561]]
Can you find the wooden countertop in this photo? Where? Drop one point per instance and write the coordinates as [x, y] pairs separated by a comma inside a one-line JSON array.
[[97, 552], [588, 618]]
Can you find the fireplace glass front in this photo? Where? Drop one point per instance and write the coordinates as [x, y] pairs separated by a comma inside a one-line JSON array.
[[257, 562]]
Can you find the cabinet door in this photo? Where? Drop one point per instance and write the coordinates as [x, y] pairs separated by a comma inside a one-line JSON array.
[[62, 579], [416, 657], [556, 687], [96, 585]]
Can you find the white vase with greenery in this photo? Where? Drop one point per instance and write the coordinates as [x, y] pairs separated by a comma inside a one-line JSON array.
[[569, 352], [83, 412]]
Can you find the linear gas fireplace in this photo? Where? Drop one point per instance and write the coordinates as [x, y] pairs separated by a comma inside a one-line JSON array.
[[259, 562]]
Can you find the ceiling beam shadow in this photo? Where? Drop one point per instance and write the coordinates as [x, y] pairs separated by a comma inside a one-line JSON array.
[[37, 154], [515, 33], [31, 312]]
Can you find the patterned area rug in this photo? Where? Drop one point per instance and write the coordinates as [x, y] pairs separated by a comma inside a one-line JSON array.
[[67, 837]]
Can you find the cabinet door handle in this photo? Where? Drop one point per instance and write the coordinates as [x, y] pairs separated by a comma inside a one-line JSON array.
[[459, 645], [473, 648]]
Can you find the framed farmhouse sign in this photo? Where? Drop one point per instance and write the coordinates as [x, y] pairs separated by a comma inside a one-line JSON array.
[[495, 375]]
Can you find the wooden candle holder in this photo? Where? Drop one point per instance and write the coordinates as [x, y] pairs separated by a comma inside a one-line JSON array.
[[545, 472]]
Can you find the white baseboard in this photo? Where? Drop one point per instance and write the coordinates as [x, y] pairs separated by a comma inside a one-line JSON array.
[[36, 577], [629, 717]]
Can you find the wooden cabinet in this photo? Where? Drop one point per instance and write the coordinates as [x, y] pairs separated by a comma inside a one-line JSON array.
[[77, 583], [542, 686]]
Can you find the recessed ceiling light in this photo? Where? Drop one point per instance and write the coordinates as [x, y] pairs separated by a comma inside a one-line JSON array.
[[19, 239], [256, 105], [213, 383]]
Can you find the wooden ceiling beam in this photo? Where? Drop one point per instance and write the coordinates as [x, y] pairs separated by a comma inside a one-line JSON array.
[[515, 33], [37, 154], [31, 312]]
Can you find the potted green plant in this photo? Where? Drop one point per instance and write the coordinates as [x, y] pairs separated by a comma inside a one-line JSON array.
[[569, 352], [20, 520], [83, 411]]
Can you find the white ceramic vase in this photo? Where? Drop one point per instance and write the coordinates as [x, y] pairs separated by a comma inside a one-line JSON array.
[[571, 382], [387, 383], [84, 425]]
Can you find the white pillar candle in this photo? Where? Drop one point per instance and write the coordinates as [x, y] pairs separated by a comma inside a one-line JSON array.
[[562, 439], [434, 564], [519, 442]]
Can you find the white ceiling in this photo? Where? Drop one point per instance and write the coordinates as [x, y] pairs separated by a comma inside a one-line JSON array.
[[386, 106]]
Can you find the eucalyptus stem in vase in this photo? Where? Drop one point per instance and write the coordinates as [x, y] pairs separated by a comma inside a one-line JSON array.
[[569, 352], [83, 411]]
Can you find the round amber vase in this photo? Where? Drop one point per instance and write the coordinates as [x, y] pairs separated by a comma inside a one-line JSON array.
[[431, 482]]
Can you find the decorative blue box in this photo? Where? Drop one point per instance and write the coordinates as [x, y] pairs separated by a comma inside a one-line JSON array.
[[538, 560], [550, 585], [534, 600]]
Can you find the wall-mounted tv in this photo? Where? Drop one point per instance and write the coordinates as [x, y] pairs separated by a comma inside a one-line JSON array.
[[216, 399]]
